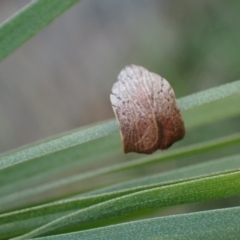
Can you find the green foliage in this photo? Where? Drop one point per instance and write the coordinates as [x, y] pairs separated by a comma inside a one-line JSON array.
[[35, 181], [27, 22], [187, 226]]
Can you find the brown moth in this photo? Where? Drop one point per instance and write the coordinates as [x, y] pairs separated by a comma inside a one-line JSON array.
[[146, 109]]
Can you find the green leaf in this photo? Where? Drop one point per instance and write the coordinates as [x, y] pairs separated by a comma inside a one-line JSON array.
[[56, 145], [217, 110], [211, 225], [212, 187], [28, 21], [103, 149], [49, 212], [63, 152], [209, 167], [209, 95], [45, 168], [7, 200]]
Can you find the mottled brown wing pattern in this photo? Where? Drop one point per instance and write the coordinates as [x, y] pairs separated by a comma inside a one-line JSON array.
[[146, 110], [167, 113], [131, 106]]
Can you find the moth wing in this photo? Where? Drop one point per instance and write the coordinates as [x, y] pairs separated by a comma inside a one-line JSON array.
[[167, 112], [131, 100]]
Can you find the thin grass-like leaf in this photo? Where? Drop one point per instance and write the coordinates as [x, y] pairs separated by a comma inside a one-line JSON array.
[[210, 95], [28, 21], [41, 150], [103, 148], [52, 211], [217, 110], [218, 165], [67, 149], [211, 225], [8, 200], [75, 157], [213, 187]]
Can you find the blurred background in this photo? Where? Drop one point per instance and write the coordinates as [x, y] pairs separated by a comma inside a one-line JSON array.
[[61, 79]]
